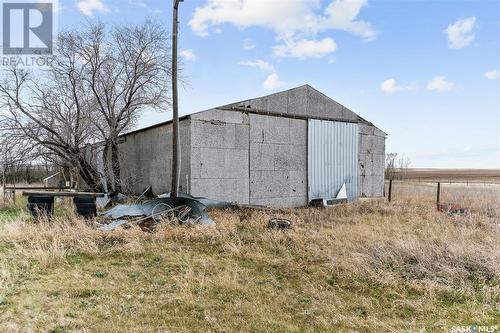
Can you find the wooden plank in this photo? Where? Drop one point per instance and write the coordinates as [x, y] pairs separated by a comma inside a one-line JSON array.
[[61, 194]]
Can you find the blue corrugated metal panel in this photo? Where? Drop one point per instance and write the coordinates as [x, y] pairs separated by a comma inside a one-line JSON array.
[[332, 158]]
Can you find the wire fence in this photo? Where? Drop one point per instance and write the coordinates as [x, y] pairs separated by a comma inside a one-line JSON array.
[[460, 195]]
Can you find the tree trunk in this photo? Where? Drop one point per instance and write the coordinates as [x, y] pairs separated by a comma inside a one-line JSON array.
[[115, 167], [106, 163], [89, 175]]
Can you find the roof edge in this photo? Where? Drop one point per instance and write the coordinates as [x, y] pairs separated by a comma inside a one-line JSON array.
[[231, 107]]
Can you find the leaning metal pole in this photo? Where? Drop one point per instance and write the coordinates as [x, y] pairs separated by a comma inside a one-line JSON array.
[[175, 106]]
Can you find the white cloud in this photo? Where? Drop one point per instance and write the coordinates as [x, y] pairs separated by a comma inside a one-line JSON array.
[[293, 20], [88, 7], [493, 74], [260, 64], [440, 84], [305, 48], [390, 86], [273, 82], [248, 44], [342, 14], [188, 55], [277, 15], [460, 33]]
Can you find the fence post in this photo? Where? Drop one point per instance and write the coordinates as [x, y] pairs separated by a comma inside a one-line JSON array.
[[390, 190], [438, 195]]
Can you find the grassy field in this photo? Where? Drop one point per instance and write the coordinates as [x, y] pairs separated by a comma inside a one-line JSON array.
[[454, 175], [365, 267], [478, 196]]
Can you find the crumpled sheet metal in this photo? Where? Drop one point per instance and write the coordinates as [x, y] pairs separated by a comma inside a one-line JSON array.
[[197, 207], [209, 203], [113, 225]]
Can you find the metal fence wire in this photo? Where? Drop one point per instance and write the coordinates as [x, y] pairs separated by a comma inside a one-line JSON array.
[[457, 195]]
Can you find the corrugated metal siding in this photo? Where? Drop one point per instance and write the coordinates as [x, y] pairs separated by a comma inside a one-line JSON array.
[[332, 159]]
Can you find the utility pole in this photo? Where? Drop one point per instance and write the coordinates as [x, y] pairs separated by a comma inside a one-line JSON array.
[[175, 106]]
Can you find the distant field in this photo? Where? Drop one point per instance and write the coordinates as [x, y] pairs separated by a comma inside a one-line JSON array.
[[454, 175]]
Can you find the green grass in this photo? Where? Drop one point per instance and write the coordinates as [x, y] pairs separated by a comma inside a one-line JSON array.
[[366, 268], [9, 213]]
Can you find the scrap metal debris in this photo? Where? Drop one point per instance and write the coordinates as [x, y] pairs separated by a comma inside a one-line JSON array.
[[148, 193], [103, 202], [183, 209], [340, 198], [113, 225], [278, 223]]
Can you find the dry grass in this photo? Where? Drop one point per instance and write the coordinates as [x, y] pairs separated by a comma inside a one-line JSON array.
[[365, 267], [480, 198]]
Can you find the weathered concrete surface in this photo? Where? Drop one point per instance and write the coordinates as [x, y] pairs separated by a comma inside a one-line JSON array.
[[219, 115], [371, 161], [247, 157], [220, 156], [146, 158], [301, 101], [278, 161]]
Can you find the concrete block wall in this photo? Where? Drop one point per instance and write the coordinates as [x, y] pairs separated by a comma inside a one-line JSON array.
[[146, 159], [371, 162], [278, 161], [301, 101], [246, 157], [220, 156]]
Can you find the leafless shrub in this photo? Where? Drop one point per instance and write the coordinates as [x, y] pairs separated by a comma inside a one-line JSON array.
[[95, 88]]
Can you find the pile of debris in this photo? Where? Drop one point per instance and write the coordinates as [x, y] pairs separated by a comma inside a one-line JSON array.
[[184, 209]]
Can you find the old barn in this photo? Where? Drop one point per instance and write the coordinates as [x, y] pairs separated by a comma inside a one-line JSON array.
[[280, 150]]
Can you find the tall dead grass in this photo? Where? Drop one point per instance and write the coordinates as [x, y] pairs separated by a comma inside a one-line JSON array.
[[483, 198], [380, 242], [49, 241]]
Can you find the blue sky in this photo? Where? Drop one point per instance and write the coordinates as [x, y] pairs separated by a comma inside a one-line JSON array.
[[425, 72]]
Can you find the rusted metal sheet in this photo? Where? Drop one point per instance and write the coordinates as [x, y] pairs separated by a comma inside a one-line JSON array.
[[332, 159]]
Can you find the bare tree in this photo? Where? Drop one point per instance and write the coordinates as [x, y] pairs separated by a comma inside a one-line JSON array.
[[390, 165], [50, 112], [95, 88], [125, 70], [396, 166], [404, 163], [18, 161]]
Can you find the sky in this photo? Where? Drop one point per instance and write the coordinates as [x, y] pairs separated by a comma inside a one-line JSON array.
[[425, 72]]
